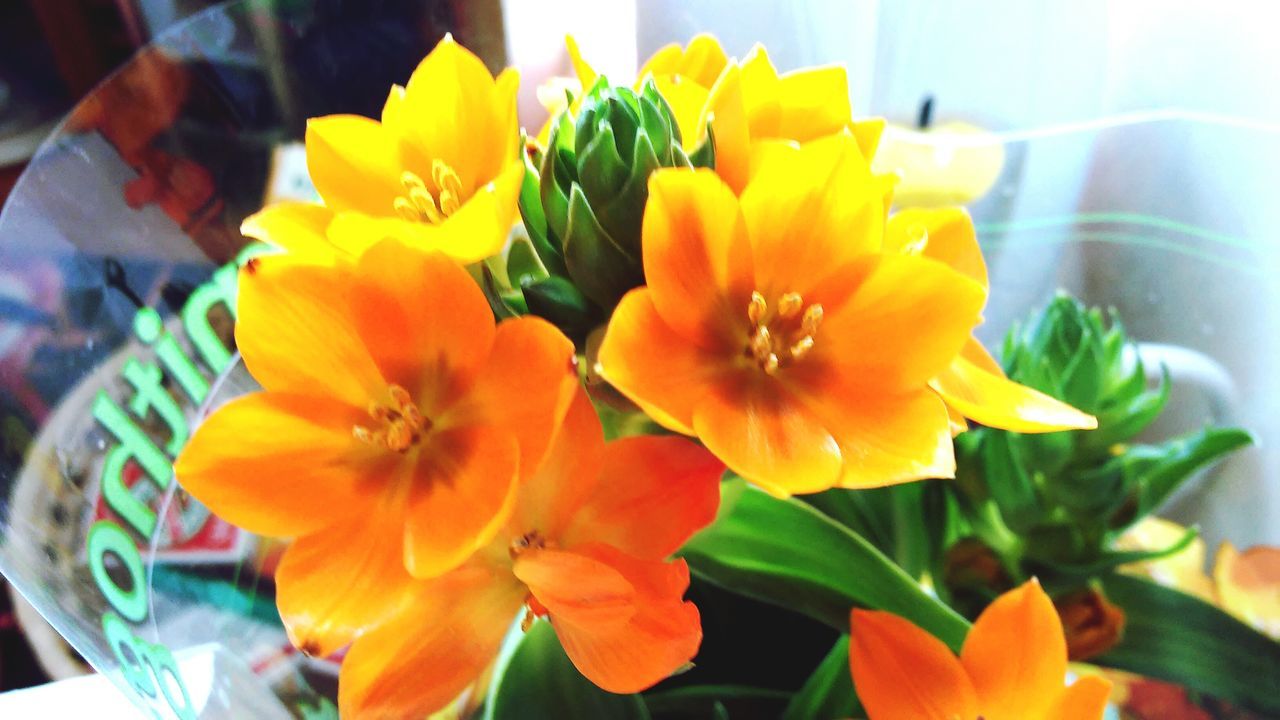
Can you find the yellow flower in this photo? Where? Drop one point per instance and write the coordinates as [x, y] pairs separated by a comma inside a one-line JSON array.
[[1012, 667], [1248, 585], [441, 171]]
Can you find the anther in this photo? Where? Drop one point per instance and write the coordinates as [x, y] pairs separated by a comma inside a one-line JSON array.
[[757, 308], [801, 347], [405, 209], [425, 204], [410, 182], [789, 305], [527, 621], [811, 320], [761, 343], [770, 365]]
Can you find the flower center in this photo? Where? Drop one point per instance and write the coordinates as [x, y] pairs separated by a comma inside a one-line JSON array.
[[399, 424], [419, 205], [781, 334]]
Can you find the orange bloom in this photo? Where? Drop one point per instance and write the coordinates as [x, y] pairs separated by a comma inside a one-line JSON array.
[[441, 171], [586, 548], [775, 329], [394, 427], [1012, 667]]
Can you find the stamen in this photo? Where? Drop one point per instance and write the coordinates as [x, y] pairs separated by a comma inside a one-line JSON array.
[[761, 343], [401, 424], [418, 204], [757, 308], [405, 209], [770, 365], [811, 320], [789, 305], [425, 204], [801, 347], [917, 240], [410, 181], [527, 621]]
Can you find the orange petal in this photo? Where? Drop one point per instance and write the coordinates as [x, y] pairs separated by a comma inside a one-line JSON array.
[[457, 113], [902, 324], [811, 213], [654, 493], [996, 401], [297, 228], [567, 476], [1086, 699], [1248, 585], [578, 589], [661, 636], [420, 660], [1016, 655], [886, 439], [814, 102], [944, 234], [296, 333], [697, 258], [461, 494], [903, 673], [767, 436], [525, 386], [355, 164], [654, 366], [282, 465], [365, 559], [424, 320]]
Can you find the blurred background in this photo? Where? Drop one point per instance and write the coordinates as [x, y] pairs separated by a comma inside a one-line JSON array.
[[1017, 69]]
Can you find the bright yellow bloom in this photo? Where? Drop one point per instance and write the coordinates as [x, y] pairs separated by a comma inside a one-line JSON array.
[[777, 329], [441, 171], [395, 425], [1012, 667]]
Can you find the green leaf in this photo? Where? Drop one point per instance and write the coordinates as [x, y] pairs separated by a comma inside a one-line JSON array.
[[1112, 560], [600, 269], [1007, 480], [787, 553], [601, 170], [697, 702], [704, 156], [539, 681], [865, 512], [523, 265], [1177, 460], [828, 693], [1181, 639], [559, 301]]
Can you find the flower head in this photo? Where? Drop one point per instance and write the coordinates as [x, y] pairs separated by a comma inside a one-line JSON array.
[[395, 425], [440, 171], [1012, 667], [586, 548], [775, 328]]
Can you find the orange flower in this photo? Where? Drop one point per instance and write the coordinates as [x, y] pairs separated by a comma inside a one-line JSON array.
[[585, 547], [973, 385], [395, 424], [1012, 667], [441, 171], [775, 329]]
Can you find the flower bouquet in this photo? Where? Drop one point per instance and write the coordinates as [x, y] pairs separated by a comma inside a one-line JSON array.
[[558, 422]]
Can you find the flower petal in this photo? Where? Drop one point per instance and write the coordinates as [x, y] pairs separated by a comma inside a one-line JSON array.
[[364, 557], [419, 661], [726, 110], [567, 476], [1248, 585], [686, 99], [903, 673], [902, 324], [654, 366], [662, 635], [296, 333], [297, 228], [996, 401], [701, 60], [765, 435], [424, 320], [654, 493], [457, 113], [697, 258], [944, 234], [1086, 699], [886, 439], [461, 495], [811, 213], [577, 589], [355, 164], [282, 465], [525, 386], [1016, 655], [813, 102]]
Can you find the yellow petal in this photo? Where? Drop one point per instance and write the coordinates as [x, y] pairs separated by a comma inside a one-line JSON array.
[[726, 110], [813, 102], [903, 673], [944, 234], [1016, 655], [297, 228], [355, 164], [586, 74], [1248, 585], [687, 100], [1086, 699], [998, 402]]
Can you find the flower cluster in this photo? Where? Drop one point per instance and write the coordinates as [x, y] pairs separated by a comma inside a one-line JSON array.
[[442, 472]]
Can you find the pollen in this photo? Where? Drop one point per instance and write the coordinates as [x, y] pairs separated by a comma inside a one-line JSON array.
[[399, 425], [783, 333], [420, 203]]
